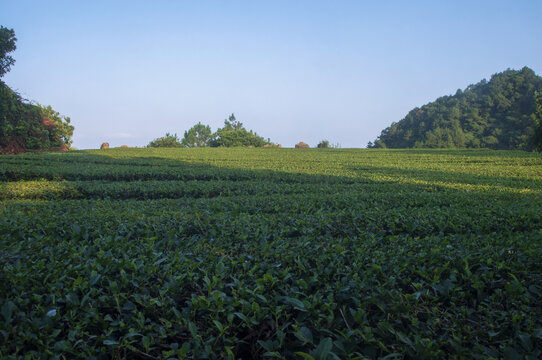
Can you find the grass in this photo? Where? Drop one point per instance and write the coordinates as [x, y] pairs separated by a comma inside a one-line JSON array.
[[271, 253]]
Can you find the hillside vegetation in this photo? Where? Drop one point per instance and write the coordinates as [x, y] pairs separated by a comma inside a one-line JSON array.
[[29, 127], [497, 114], [226, 253], [24, 125]]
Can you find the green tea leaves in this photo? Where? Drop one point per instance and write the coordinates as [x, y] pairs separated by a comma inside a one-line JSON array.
[[275, 253], [7, 310]]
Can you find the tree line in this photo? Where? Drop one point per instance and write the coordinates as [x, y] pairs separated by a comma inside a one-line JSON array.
[[503, 113], [232, 134]]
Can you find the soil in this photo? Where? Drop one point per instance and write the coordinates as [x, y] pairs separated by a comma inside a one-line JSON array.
[[14, 145]]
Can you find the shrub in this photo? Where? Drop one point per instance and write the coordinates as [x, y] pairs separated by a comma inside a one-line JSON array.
[[323, 144], [31, 126], [169, 141]]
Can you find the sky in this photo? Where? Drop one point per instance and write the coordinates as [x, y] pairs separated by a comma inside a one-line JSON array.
[[127, 72]]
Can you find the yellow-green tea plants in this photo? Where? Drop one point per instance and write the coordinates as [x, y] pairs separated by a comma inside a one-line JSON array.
[[271, 253]]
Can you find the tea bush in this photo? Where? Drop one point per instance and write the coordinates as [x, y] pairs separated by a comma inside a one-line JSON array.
[[271, 253]]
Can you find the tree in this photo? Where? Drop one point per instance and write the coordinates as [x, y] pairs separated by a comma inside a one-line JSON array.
[[198, 136], [497, 114], [59, 127], [234, 134], [233, 138], [168, 141], [323, 144], [24, 125], [232, 123], [537, 128], [7, 45]]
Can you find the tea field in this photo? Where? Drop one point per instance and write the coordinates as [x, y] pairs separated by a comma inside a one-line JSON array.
[[271, 253]]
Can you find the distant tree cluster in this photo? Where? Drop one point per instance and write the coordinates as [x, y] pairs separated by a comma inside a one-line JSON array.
[[233, 134], [23, 125], [503, 113], [324, 144], [168, 140]]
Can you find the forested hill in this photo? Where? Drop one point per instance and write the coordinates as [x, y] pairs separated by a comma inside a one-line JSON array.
[[499, 114]]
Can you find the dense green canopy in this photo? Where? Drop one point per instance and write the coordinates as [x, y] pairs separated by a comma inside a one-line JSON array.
[[234, 134], [168, 140], [7, 45], [26, 126], [499, 114]]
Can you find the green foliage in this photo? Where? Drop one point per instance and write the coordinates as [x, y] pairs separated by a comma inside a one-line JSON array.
[[197, 136], [7, 45], [167, 141], [62, 131], [241, 137], [231, 123], [25, 126], [266, 253], [537, 130], [324, 144], [499, 114], [233, 134], [31, 127]]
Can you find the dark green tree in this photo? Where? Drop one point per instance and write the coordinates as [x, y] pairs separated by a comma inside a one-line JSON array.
[[537, 128], [168, 141], [198, 135], [496, 114], [25, 126], [7, 45], [324, 144], [231, 123], [59, 127], [234, 138], [234, 134]]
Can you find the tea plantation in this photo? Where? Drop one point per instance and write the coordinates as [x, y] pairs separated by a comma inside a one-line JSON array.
[[271, 253]]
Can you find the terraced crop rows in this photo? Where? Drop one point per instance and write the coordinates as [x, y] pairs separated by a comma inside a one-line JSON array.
[[276, 253]]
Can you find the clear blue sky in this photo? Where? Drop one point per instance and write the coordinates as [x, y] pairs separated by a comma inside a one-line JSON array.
[[127, 72]]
